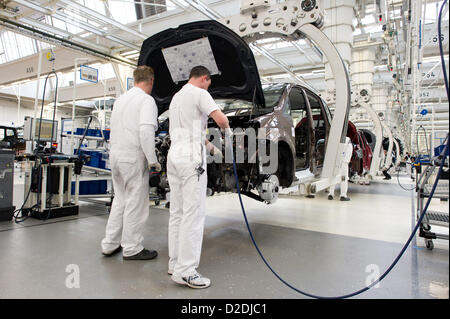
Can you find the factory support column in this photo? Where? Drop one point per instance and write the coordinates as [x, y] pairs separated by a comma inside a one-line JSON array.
[[362, 72], [338, 28], [380, 100], [363, 69]]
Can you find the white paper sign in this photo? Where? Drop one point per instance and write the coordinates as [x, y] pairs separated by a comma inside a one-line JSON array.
[[66, 126], [130, 83], [431, 36], [180, 59], [433, 93], [88, 74]]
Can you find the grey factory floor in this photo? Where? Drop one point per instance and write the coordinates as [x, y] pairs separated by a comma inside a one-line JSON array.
[[323, 247]]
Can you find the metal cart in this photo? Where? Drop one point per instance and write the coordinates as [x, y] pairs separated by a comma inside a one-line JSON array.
[[432, 217]]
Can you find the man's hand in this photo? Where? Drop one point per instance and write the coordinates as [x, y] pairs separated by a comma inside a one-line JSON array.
[[228, 132], [156, 166], [216, 151], [212, 149]]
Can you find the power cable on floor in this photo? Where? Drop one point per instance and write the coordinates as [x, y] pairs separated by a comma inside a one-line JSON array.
[[53, 222], [398, 180], [394, 263]]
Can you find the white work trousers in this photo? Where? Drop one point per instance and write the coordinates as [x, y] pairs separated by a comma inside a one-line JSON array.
[[129, 211], [409, 168], [344, 181], [187, 213]]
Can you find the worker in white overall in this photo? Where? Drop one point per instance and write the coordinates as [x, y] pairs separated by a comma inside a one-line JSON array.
[[186, 171], [132, 153], [346, 158], [408, 163]]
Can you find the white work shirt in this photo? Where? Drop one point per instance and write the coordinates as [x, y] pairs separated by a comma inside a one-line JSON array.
[[347, 152], [132, 110], [188, 113]]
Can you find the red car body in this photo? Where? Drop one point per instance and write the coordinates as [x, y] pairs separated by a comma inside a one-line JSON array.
[[362, 153]]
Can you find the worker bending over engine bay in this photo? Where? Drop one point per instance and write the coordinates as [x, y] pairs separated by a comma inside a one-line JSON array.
[[186, 171]]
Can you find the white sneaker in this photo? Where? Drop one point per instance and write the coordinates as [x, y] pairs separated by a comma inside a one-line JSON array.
[[195, 281]]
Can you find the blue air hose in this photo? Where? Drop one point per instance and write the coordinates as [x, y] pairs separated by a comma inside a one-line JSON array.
[[441, 49], [363, 289], [394, 263]]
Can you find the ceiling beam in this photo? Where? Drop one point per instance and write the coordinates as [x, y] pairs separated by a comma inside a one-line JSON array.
[[75, 6]]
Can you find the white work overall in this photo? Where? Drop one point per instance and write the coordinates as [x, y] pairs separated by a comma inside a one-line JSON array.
[[409, 167], [129, 211], [346, 157], [189, 112], [129, 170]]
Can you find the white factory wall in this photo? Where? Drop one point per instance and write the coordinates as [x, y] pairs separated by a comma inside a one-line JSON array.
[[10, 116]]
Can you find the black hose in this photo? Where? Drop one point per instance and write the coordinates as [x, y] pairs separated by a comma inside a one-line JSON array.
[[398, 180], [18, 219], [84, 135], [419, 222], [394, 263], [426, 141], [441, 49], [54, 109], [42, 107], [16, 213], [51, 144]]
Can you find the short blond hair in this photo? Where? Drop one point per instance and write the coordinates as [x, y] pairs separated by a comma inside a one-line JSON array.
[[143, 73]]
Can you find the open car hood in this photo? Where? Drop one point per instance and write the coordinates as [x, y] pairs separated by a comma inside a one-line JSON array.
[[238, 75]]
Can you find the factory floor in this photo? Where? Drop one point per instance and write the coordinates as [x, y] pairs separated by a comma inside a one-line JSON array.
[[323, 247]]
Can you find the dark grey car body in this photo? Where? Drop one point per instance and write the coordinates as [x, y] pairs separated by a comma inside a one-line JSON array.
[[295, 119]]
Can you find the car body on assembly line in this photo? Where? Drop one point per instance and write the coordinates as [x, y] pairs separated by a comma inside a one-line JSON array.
[[292, 117], [362, 153], [10, 139]]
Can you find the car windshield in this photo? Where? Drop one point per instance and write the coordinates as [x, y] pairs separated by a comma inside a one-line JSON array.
[[20, 132], [230, 107], [272, 93], [234, 107]]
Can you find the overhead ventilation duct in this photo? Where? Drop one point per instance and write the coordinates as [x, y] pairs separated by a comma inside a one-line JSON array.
[[148, 8]]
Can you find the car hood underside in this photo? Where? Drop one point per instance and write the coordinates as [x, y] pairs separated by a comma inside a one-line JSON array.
[[238, 74]]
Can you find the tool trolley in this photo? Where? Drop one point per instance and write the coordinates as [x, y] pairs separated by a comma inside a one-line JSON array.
[[432, 217]]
